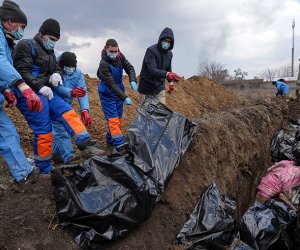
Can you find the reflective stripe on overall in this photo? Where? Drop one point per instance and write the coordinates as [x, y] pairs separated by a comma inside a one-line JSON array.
[[55, 109], [112, 107]]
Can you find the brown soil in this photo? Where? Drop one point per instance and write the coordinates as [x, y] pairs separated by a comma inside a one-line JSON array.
[[231, 146]]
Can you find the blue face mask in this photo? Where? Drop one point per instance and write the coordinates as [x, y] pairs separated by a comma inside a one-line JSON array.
[[112, 55], [165, 45], [49, 44], [69, 70], [18, 34]]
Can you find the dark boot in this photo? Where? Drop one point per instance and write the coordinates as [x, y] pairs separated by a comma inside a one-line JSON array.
[[82, 146], [20, 187]]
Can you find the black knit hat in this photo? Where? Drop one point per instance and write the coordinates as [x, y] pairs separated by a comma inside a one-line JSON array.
[[11, 11], [50, 27], [68, 59]]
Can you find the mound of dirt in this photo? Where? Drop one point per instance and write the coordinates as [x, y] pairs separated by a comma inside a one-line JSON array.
[[232, 146]]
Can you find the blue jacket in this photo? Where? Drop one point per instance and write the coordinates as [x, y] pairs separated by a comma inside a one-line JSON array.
[[282, 88], [9, 76], [156, 64], [69, 83]]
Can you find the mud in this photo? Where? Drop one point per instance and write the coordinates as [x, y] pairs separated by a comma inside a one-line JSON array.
[[232, 146]]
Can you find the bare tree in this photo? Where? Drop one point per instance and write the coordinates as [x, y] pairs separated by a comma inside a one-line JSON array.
[[239, 74], [283, 71], [213, 70], [268, 74], [279, 72]]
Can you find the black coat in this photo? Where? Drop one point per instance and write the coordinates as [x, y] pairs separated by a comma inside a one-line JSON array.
[[156, 64], [104, 72], [24, 59]]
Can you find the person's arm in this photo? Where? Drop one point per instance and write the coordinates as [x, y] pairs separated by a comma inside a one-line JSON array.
[[169, 69], [105, 73], [63, 91], [152, 67], [23, 62], [83, 101], [9, 76], [129, 69]]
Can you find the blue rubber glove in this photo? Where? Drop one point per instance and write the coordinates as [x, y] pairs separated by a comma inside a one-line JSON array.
[[134, 85], [128, 101]]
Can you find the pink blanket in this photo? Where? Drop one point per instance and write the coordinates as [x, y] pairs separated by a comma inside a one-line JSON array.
[[281, 177]]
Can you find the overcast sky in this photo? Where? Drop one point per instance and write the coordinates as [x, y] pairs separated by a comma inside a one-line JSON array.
[[252, 35]]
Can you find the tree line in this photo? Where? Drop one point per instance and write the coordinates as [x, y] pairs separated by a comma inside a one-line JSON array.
[[218, 72]]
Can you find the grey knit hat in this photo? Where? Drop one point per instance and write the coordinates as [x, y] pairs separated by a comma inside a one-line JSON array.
[[11, 11]]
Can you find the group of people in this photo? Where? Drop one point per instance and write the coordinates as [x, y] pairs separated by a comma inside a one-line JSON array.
[[42, 87]]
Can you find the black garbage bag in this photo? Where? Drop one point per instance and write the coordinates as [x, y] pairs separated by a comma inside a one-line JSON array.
[[158, 138], [284, 140], [104, 198], [265, 226], [211, 223], [287, 218]]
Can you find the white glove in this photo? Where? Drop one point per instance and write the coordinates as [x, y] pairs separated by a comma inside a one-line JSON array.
[[55, 79], [47, 92]]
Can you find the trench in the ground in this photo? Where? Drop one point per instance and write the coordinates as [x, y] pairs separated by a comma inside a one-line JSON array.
[[231, 147]]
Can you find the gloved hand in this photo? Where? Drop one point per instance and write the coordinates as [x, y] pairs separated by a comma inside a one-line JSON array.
[[171, 87], [10, 98], [47, 92], [55, 79], [86, 118], [33, 102], [134, 85], [128, 101], [171, 76], [78, 92]]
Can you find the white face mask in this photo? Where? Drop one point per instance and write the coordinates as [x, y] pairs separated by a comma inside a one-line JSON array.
[[112, 55], [165, 45], [69, 70]]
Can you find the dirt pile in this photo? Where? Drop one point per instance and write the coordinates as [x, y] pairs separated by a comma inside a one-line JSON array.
[[232, 146]]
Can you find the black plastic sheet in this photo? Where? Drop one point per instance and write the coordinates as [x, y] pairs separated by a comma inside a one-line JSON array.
[[284, 141], [211, 223], [104, 198], [268, 226], [212, 226]]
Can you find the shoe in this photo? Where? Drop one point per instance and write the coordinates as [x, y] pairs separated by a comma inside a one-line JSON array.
[[19, 187], [33, 176], [84, 144], [93, 142], [122, 149], [74, 159], [57, 159]]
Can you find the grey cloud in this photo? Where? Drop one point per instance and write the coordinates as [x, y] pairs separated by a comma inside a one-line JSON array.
[[201, 32]]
